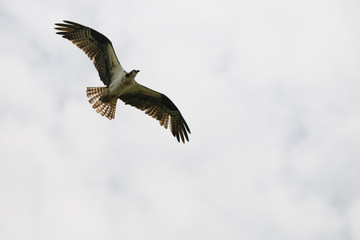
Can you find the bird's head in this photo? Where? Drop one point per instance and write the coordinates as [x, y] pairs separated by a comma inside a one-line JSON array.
[[132, 74]]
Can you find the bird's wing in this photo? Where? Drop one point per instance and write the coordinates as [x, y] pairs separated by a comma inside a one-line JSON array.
[[158, 106], [98, 48]]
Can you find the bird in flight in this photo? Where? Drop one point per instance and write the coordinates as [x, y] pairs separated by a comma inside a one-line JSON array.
[[119, 83]]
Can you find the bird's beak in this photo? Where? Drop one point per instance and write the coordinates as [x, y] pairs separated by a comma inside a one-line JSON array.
[[137, 71]]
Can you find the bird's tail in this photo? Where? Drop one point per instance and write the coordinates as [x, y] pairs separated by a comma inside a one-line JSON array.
[[105, 109]]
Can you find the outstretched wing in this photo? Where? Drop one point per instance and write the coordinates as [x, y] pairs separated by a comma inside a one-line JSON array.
[[158, 106], [98, 48]]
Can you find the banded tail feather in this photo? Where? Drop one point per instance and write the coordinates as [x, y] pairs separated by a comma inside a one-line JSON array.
[[105, 109]]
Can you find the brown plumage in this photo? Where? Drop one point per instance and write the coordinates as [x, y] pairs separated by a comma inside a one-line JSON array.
[[119, 83]]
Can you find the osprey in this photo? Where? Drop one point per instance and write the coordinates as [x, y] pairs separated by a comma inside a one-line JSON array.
[[119, 83]]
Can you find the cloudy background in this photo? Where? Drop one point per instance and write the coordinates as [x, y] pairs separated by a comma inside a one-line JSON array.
[[270, 90]]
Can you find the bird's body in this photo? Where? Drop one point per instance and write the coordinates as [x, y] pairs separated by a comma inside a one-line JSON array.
[[120, 84]]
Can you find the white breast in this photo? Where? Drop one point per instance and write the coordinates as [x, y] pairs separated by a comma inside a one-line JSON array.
[[120, 84]]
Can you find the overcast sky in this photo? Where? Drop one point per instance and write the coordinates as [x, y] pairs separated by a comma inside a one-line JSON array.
[[269, 89]]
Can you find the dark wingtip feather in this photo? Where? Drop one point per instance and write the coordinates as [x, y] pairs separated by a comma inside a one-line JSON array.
[[70, 22], [66, 24], [186, 135], [182, 137], [187, 127]]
